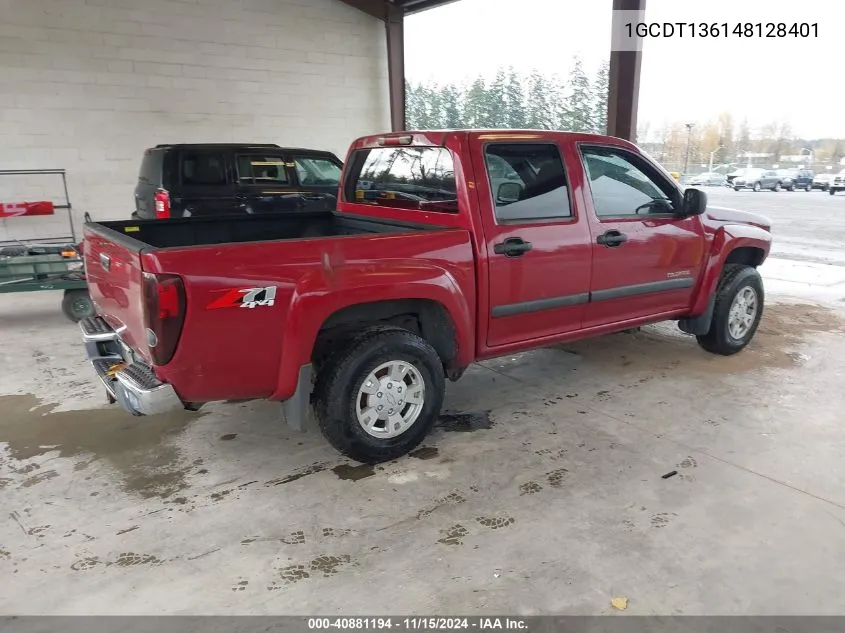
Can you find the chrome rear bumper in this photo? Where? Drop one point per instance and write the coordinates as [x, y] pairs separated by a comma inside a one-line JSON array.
[[129, 381]]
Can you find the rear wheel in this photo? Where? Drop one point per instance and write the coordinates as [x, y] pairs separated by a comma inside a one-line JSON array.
[[776, 187], [831, 191], [77, 305], [736, 188], [737, 313], [377, 398], [756, 186]]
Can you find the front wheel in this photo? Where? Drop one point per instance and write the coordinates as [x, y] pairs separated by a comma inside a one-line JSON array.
[[737, 313], [756, 186], [378, 397], [77, 305], [831, 191], [776, 187], [736, 188]]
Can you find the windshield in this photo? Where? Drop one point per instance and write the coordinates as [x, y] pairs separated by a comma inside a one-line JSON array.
[[403, 177]]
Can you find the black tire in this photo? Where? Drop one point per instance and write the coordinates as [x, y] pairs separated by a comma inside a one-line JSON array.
[[77, 305], [341, 376], [791, 188], [809, 188], [776, 187], [736, 188], [734, 278], [756, 186], [831, 191]]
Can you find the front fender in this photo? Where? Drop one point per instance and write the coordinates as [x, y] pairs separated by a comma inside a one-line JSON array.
[[726, 239], [314, 301]]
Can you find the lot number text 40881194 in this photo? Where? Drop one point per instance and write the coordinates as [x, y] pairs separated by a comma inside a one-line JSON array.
[[722, 29]]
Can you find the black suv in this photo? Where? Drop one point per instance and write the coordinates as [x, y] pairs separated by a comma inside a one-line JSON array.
[[221, 179]]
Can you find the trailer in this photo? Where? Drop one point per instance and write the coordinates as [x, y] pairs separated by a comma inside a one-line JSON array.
[[31, 264]]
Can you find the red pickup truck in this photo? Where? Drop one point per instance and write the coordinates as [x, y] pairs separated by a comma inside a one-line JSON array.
[[446, 248]]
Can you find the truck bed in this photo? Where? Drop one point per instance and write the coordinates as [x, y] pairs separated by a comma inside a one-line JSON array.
[[205, 231]]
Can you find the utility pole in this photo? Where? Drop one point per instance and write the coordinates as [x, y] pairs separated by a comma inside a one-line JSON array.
[[689, 138], [713, 153]]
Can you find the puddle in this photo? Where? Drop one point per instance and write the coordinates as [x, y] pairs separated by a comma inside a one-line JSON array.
[[464, 422], [425, 452], [354, 473], [664, 347], [136, 446]]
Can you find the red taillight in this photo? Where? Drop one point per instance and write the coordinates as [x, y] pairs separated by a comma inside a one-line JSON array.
[[164, 314], [162, 202]]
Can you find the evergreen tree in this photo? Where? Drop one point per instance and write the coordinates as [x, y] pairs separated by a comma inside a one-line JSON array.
[[601, 87], [515, 101], [451, 107], [539, 103], [476, 113], [579, 101], [497, 101], [434, 98], [561, 116], [414, 107]]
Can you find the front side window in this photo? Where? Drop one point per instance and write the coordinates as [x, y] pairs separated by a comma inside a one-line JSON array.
[[528, 182], [317, 171], [621, 185], [203, 168], [403, 177], [262, 170]]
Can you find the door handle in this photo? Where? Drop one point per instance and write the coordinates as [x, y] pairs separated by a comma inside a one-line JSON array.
[[512, 247], [313, 196], [612, 238]]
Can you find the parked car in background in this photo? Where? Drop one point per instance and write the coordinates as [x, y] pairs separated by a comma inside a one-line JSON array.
[[364, 312], [837, 183], [757, 179], [792, 179], [822, 181], [734, 174], [186, 180], [708, 179]]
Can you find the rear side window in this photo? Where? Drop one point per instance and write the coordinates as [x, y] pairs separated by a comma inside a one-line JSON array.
[[313, 171], [262, 170], [151, 167], [403, 177], [203, 168], [528, 182]]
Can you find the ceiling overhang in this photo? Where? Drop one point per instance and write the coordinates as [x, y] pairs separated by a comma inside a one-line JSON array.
[[380, 8]]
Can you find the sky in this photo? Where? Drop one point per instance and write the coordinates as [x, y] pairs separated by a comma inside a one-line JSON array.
[[683, 79]]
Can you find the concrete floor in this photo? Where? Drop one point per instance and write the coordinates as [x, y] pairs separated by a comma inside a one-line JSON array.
[[540, 492]]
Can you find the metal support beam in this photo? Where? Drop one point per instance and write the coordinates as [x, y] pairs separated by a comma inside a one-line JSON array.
[[394, 24], [624, 80]]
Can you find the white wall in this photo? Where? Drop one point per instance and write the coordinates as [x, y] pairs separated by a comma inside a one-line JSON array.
[[87, 85]]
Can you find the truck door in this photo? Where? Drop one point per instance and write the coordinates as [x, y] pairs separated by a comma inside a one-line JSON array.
[[318, 178], [266, 183], [646, 259], [206, 184], [537, 245]]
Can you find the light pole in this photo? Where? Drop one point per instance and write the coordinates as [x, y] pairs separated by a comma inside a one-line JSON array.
[[809, 153], [689, 138], [713, 153]]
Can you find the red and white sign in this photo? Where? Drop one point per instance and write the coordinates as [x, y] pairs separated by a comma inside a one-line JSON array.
[[17, 209]]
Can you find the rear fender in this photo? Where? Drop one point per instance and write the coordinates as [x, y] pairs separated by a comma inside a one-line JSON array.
[[727, 239], [314, 301]]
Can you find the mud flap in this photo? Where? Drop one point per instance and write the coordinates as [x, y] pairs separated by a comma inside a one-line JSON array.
[[700, 325], [295, 409]]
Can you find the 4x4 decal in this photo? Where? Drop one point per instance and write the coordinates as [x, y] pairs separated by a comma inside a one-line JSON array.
[[245, 298]]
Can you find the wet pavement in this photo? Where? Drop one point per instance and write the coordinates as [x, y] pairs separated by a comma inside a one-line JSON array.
[[540, 491]]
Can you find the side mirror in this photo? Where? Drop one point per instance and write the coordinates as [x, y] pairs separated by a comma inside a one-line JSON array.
[[509, 192], [695, 202]]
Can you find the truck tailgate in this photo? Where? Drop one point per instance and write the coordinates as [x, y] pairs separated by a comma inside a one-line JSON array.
[[115, 281]]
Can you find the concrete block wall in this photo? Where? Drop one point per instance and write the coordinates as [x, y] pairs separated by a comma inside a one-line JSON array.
[[87, 85]]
